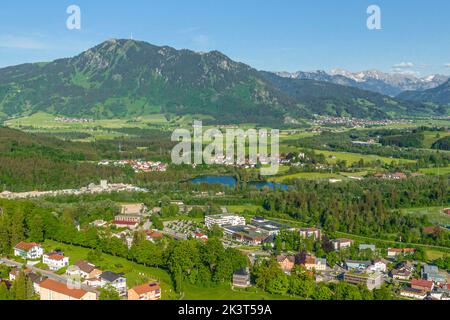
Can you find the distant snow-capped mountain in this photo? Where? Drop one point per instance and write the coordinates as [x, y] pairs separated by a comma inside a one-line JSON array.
[[373, 80]]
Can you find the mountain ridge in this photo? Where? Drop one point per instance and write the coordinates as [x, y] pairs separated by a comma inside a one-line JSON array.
[[391, 84], [122, 78]]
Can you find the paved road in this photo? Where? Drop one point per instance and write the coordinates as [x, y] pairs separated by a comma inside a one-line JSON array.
[[45, 273]]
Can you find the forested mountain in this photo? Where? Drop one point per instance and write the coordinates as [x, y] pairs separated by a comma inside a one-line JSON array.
[[439, 95], [122, 78]]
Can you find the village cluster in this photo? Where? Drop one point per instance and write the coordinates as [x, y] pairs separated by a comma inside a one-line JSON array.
[[103, 187], [81, 281], [255, 236], [354, 122], [137, 165]]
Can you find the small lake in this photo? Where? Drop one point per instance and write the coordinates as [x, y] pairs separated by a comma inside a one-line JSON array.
[[231, 182]]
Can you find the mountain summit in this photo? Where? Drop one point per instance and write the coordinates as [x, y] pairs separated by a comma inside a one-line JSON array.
[[123, 78]]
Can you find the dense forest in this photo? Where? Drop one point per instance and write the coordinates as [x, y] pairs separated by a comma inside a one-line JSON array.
[[368, 208]]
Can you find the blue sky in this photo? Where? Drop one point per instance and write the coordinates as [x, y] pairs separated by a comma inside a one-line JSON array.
[[277, 35]]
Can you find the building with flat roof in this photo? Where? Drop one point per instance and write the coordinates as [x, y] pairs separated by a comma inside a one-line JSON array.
[[371, 280], [246, 234], [271, 227], [224, 220]]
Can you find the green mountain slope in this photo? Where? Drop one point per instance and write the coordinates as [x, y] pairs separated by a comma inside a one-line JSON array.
[[122, 78], [439, 95]]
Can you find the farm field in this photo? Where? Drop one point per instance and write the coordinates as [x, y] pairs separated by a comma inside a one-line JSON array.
[[436, 171], [100, 129], [307, 176], [351, 158]]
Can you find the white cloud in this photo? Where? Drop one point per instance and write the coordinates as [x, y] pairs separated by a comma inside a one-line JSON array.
[[403, 65], [447, 65], [21, 42]]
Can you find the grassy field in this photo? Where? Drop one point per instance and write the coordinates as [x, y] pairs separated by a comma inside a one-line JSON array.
[[136, 274], [432, 137], [351, 158], [308, 176], [436, 171], [434, 214], [100, 129], [240, 209]]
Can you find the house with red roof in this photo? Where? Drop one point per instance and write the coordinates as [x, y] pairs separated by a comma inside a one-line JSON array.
[[55, 261], [153, 235], [147, 292], [53, 290], [420, 284], [201, 236], [26, 250]]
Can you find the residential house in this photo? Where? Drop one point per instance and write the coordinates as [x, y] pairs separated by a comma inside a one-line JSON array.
[[31, 251], [394, 252], [149, 291], [341, 243], [286, 263], [55, 261], [153, 235], [313, 233], [379, 265], [357, 265], [371, 280], [53, 290], [403, 271], [241, 279], [312, 263], [116, 280], [201, 236], [14, 272], [84, 269], [420, 284], [432, 273], [36, 280]]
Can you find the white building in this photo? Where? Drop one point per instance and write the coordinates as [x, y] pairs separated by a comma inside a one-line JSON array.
[[116, 280], [378, 266], [55, 261], [224, 220], [341, 243], [30, 251]]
